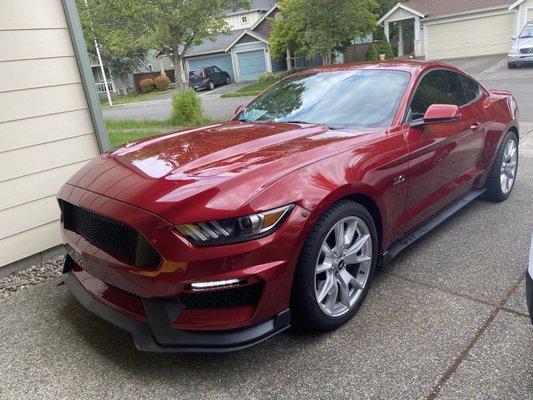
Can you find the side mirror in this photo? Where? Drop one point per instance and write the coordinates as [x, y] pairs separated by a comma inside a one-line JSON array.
[[438, 114], [240, 108], [513, 37]]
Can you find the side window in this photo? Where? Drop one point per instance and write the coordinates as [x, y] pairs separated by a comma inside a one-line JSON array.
[[209, 71], [216, 70], [437, 87], [472, 89]]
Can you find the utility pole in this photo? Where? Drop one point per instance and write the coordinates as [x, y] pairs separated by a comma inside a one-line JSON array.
[[109, 101]]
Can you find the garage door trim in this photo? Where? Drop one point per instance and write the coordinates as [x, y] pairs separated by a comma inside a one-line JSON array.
[[469, 16]]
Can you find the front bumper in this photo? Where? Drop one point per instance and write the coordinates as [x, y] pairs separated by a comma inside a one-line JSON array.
[[519, 58], [157, 334]]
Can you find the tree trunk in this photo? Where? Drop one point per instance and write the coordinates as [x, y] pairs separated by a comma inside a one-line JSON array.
[[179, 70]]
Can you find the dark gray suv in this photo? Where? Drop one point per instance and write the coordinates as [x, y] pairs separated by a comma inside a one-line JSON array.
[[208, 78]]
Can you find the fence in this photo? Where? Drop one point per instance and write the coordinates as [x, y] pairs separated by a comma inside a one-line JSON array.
[[100, 86]]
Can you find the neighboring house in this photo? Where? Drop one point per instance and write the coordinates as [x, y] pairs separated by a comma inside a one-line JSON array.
[[47, 129], [458, 28], [99, 81], [243, 53]]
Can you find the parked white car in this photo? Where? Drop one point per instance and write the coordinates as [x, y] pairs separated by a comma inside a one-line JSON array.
[[522, 49]]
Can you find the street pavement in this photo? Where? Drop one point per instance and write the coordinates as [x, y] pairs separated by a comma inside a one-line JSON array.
[[213, 105], [447, 320]]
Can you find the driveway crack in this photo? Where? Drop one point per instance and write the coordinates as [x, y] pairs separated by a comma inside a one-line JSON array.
[[480, 331]]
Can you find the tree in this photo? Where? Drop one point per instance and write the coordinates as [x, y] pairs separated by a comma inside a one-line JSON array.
[[385, 48], [372, 53], [122, 50], [173, 26], [314, 27]]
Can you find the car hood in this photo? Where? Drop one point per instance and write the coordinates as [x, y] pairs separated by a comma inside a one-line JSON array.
[[525, 43], [209, 173]]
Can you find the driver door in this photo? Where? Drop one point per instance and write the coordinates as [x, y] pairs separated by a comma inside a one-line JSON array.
[[443, 156]]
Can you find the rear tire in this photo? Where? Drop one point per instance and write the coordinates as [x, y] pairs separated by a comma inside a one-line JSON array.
[[228, 80], [502, 175], [315, 307]]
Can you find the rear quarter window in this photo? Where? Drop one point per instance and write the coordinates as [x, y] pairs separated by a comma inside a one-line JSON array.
[[472, 89]]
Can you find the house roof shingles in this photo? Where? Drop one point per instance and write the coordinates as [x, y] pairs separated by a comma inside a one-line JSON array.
[[433, 8], [219, 44], [261, 5]]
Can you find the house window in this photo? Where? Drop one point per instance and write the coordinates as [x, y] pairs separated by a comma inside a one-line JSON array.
[[244, 19], [150, 67]]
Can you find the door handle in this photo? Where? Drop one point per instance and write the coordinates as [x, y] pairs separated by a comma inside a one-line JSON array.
[[475, 126]]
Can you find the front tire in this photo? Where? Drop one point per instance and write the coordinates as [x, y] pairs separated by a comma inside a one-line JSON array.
[[228, 80], [502, 175], [511, 65], [210, 85], [335, 267]]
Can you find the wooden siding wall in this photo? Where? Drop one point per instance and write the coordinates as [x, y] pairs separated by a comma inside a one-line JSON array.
[[46, 133]]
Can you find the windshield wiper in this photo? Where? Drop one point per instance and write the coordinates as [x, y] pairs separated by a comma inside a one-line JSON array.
[[308, 123]]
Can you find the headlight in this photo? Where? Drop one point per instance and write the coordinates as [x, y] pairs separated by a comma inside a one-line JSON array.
[[235, 230]]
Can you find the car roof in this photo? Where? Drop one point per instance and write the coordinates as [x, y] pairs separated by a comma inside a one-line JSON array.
[[413, 67]]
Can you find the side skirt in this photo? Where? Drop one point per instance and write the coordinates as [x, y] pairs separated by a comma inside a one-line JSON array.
[[428, 226]]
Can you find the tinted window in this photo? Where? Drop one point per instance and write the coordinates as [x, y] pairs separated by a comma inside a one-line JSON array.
[[195, 73], [437, 87], [339, 99], [216, 70], [472, 89]]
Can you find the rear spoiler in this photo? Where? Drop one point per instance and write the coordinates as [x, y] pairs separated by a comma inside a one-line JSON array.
[[500, 92]]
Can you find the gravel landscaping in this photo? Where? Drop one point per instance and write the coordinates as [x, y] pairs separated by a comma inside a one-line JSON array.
[[31, 276]]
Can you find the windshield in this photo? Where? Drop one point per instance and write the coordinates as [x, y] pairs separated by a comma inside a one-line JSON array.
[[339, 99], [527, 32]]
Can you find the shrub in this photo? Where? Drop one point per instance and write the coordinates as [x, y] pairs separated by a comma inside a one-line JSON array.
[[372, 53], [186, 108], [385, 48], [147, 85], [161, 82], [272, 76]]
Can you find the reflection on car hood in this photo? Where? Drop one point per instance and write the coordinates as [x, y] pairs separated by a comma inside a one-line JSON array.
[[212, 169]]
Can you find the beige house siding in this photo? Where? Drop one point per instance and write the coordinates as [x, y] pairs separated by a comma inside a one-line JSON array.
[[46, 133], [475, 36]]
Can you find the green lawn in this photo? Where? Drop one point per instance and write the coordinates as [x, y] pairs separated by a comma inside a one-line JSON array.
[[252, 89], [128, 130], [131, 98]]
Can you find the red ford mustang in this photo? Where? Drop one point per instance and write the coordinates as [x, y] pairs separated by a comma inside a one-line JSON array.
[[216, 238]]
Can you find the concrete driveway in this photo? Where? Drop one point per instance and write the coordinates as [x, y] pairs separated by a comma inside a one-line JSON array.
[[447, 319]]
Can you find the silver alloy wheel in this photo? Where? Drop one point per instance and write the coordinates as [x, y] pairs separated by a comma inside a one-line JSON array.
[[343, 266], [508, 169]]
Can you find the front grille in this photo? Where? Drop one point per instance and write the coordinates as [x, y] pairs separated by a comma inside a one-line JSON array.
[[528, 50], [241, 296], [109, 235]]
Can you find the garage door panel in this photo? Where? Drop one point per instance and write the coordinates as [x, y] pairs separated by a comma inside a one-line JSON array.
[[222, 61], [473, 37], [251, 64]]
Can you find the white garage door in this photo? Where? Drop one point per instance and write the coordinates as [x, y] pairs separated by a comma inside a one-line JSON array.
[[473, 37]]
